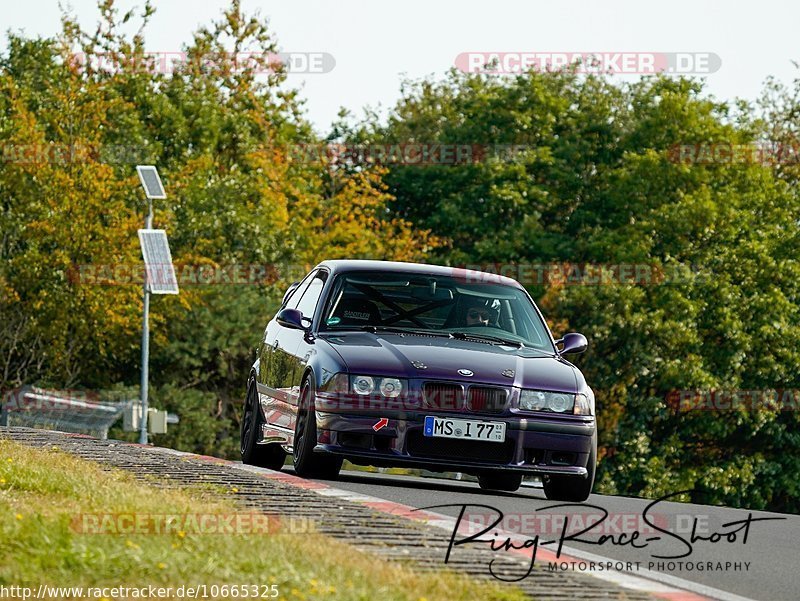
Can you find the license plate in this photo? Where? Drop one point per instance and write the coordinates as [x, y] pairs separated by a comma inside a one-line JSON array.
[[467, 429]]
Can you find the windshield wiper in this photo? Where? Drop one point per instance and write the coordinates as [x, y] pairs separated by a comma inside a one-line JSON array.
[[486, 337]]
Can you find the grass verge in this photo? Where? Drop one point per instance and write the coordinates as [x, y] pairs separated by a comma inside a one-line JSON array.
[[47, 496]]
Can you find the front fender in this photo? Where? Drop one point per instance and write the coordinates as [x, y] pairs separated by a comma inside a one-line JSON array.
[[323, 363]]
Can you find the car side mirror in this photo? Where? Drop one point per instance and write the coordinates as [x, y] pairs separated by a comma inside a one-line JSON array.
[[291, 318], [573, 343]]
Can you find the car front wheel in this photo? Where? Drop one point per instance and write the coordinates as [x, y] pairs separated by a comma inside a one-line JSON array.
[[307, 463]]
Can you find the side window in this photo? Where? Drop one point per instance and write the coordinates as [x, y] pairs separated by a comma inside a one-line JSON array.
[[311, 295], [287, 296], [297, 293]]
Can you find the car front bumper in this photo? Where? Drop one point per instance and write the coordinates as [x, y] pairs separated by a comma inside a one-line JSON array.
[[535, 445]]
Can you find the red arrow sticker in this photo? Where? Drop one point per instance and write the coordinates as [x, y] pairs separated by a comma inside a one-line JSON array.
[[382, 423]]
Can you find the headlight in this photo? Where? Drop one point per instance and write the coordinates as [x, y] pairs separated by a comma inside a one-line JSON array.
[[557, 402], [533, 400], [388, 387], [391, 387], [363, 384]]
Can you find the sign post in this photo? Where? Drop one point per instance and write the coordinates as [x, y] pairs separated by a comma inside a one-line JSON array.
[[159, 274]]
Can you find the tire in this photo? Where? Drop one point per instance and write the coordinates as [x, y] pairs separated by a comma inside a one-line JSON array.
[[308, 464], [570, 488], [500, 481], [270, 456]]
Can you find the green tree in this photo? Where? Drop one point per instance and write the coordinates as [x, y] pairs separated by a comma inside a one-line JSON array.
[[595, 179]]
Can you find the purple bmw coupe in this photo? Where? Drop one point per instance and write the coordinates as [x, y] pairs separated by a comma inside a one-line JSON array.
[[400, 364]]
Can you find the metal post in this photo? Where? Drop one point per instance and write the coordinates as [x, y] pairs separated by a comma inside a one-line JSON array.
[[145, 339]]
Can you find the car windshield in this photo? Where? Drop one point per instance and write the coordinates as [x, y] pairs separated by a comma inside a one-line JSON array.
[[439, 305]]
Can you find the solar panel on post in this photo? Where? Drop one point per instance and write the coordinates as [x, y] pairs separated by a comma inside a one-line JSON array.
[[158, 262], [159, 272], [151, 181]]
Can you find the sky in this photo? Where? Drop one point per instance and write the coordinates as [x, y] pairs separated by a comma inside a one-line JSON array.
[[376, 44]]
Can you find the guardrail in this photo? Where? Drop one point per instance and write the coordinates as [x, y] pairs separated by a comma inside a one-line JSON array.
[[65, 411]]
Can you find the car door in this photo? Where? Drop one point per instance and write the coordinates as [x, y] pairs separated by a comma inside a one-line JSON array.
[[300, 347], [265, 347], [289, 352], [276, 372]]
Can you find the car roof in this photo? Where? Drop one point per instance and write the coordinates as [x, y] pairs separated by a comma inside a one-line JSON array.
[[473, 275]]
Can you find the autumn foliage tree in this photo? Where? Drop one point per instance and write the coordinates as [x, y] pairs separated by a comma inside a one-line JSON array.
[[78, 113]]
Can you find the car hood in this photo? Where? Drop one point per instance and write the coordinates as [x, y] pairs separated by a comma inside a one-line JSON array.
[[403, 356]]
